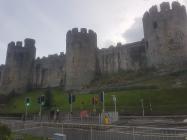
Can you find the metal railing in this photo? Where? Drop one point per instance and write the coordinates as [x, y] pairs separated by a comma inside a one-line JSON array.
[[96, 132]]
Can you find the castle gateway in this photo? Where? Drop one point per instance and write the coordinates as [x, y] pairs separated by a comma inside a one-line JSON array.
[[164, 48]]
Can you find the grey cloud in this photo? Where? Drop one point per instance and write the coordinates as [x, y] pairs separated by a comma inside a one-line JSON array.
[[2, 52], [135, 32], [185, 2], [47, 21]]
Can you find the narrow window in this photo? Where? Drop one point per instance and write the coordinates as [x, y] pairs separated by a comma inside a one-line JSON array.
[[147, 43], [155, 25], [73, 60]]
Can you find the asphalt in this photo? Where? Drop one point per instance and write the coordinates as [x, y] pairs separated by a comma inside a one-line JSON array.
[[85, 134], [144, 128]]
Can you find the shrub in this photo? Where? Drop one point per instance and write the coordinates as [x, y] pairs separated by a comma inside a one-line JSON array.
[[5, 132]]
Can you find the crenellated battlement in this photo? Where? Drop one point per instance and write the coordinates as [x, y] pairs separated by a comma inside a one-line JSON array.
[[28, 43], [19, 44], [165, 8], [153, 10], [2, 66], [51, 56], [16, 50], [12, 44], [15, 45], [83, 37], [75, 32], [163, 48], [165, 32]]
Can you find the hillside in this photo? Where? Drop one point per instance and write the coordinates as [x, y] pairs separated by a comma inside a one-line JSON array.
[[159, 80], [162, 94]]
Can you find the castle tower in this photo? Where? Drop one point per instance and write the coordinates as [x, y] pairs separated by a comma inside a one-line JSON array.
[[81, 50], [1, 74], [19, 63], [165, 33]]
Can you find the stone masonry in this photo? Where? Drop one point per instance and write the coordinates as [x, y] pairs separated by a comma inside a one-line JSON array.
[[165, 33], [164, 48], [17, 73], [81, 48]]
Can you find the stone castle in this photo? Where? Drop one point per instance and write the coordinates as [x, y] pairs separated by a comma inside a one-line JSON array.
[[164, 47]]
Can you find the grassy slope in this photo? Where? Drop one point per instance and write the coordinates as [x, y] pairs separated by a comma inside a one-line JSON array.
[[172, 80], [168, 98], [166, 101], [27, 137]]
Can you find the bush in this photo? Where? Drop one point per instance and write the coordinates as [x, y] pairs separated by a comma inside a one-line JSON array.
[[5, 132], [48, 98]]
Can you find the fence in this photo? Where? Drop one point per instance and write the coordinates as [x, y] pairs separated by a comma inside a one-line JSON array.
[[96, 132]]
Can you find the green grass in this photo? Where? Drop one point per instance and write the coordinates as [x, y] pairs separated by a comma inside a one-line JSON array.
[[162, 101], [169, 96], [143, 78], [27, 137]]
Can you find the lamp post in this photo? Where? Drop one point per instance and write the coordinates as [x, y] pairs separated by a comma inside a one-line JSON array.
[[142, 104]]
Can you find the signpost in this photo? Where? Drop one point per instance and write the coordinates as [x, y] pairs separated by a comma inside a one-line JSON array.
[[114, 100], [41, 102], [102, 99], [71, 100]]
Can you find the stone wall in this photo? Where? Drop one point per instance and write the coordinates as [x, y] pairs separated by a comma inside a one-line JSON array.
[[81, 50], [165, 34], [2, 67], [49, 71], [122, 57], [164, 47], [17, 73]]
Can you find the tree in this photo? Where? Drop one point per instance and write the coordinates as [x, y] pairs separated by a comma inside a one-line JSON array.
[[5, 132], [48, 98]]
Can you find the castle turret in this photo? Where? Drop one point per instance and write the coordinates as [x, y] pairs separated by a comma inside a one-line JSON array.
[[165, 33], [30, 47], [2, 67], [19, 64], [81, 50]]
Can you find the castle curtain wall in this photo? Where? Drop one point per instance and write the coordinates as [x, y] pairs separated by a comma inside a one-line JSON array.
[[164, 47], [49, 71], [129, 57]]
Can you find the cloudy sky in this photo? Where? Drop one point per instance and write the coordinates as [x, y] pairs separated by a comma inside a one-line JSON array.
[[47, 21]]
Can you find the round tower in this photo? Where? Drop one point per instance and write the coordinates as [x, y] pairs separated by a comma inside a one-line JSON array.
[[19, 65], [10, 53], [81, 50], [165, 33], [30, 47]]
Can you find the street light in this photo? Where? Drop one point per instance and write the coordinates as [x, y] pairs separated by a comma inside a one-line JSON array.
[[142, 104]]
